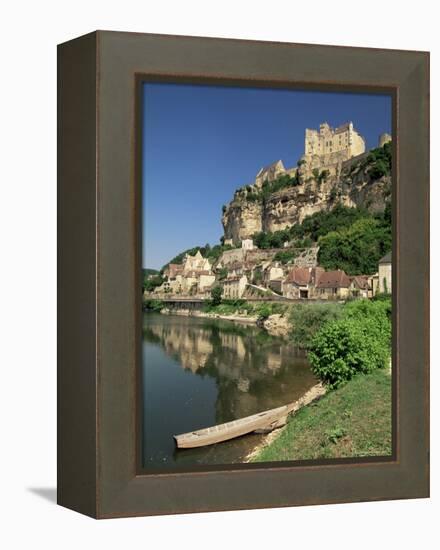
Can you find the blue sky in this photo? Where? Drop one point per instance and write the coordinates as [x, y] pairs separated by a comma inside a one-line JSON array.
[[200, 143]]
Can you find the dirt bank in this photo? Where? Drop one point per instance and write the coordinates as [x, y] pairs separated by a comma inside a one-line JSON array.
[[316, 392]]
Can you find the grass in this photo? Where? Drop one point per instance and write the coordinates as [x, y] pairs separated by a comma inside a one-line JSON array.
[[352, 421]]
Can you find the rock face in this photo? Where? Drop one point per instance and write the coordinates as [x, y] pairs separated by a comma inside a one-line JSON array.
[[242, 219], [277, 325], [348, 183]]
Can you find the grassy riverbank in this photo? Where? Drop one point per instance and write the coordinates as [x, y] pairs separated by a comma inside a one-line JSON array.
[[352, 421]]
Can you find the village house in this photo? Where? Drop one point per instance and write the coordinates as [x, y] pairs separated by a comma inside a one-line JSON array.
[[172, 270], [301, 282], [333, 285], [247, 244], [234, 287], [235, 269], [360, 287], [196, 263], [193, 276], [296, 284], [385, 274], [273, 276]]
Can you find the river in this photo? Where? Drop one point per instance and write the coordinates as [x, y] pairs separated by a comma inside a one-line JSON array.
[[201, 372]]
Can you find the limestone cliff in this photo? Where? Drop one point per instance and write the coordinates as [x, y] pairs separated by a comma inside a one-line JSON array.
[[350, 183], [242, 219]]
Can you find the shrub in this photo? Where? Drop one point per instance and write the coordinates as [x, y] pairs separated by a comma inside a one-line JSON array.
[[344, 348], [216, 295], [149, 284], [307, 319], [333, 194], [378, 310], [222, 273], [379, 161], [358, 343], [257, 277], [264, 312], [153, 305], [285, 256]]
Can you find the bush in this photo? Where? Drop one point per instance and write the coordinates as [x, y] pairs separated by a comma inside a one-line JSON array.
[[379, 310], [307, 319], [264, 312], [285, 256], [153, 305], [358, 343], [216, 295], [379, 161], [344, 348], [149, 284]]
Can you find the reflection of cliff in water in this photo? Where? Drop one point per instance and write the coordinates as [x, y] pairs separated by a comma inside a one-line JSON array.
[[253, 370]]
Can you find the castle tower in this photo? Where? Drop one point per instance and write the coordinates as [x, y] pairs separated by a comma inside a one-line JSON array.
[[343, 139], [384, 138]]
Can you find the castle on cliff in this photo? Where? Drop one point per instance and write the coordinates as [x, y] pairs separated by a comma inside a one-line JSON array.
[[333, 169], [324, 149], [327, 140]]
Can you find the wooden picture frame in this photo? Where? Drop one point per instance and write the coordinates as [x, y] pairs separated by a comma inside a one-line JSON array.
[[99, 273]]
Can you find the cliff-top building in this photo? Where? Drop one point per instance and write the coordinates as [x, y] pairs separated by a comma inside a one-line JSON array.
[[328, 140]]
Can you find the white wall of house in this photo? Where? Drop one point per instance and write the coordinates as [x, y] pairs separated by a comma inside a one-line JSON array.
[[385, 277]]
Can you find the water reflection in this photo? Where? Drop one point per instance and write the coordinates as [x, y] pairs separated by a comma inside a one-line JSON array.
[[200, 372]]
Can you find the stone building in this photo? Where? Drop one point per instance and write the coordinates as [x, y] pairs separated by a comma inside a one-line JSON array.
[[301, 282], [384, 138], [172, 270], [196, 263], [270, 173], [234, 287], [360, 287], [385, 278], [193, 276], [247, 244], [333, 285], [328, 140]]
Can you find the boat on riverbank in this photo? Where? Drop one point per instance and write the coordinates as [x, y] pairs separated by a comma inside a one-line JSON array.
[[262, 422]]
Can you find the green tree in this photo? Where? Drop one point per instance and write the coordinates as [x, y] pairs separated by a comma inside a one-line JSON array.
[[216, 295], [285, 256], [356, 249], [358, 342], [151, 283], [222, 273]]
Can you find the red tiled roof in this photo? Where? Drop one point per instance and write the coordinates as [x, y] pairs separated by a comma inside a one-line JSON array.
[[361, 281], [315, 273], [299, 276], [174, 269], [333, 279]]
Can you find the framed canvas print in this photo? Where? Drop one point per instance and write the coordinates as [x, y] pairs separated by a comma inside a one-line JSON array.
[[243, 274]]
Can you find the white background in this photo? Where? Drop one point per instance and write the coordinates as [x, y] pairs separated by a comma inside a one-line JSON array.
[[29, 34]]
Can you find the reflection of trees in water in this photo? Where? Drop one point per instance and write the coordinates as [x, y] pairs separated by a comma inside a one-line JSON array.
[[253, 370]]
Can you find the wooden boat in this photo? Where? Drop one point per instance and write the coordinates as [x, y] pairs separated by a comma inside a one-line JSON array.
[[262, 422]]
